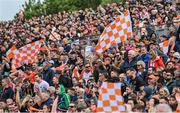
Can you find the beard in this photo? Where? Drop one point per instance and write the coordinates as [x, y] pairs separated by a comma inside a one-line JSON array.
[[168, 79], [173, 106]]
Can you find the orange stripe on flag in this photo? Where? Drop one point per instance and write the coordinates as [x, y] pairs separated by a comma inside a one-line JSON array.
[[164, 46], [26, 54], [110, 98], [10, 53]]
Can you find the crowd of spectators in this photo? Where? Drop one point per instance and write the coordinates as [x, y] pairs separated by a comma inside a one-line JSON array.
[[150, 78]]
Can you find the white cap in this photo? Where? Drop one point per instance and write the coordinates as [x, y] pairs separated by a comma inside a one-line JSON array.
[[176, 55], [51, 61]]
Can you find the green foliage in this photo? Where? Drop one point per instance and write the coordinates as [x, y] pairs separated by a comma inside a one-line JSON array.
[[111, 1], [33, 8]]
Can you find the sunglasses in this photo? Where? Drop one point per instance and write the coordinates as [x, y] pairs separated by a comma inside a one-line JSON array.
[[31, 101]]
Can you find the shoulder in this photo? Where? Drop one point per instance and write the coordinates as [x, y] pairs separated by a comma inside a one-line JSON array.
[[44, 83]]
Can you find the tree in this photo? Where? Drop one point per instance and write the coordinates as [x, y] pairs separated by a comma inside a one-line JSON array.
[[33, 8]]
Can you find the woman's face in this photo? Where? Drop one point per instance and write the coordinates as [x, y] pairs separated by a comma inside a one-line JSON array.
[[45, 109], [151, 102], [162, 92], [30, 102]]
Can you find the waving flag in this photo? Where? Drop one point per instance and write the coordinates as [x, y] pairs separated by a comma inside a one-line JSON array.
[[116, 32], [11, 52], [164, 46], [26, 54], [110, 98], [76, 74]]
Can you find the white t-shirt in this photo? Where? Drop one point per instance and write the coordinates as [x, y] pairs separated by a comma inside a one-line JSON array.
[[43, 86]]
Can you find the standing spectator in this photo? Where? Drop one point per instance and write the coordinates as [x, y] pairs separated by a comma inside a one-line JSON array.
[[47, 73], [136, 81], [40, 84], [7, 91], [145, 56], [141, 71], [130, 61]]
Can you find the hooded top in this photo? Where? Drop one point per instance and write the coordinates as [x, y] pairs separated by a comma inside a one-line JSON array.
[[64, 98]]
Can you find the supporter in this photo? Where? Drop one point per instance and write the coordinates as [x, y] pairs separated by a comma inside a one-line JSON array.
[[156, 61], [136, 81], [47, 73], [141, 71], [131, 61], [145, 56], [7, 91], [40, 84]]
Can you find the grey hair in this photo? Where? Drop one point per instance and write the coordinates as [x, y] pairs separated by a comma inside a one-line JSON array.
[[163, 108]]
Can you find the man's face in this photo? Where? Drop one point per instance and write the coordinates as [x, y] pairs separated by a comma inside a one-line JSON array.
[[4, 82], [45, 65], [128, 90], [130, 102], [172, 101], [34, 66], [168, 76], [55, 80], [150, 71], [130, 56], [170, 65], [107, 61], [143, 50], [37, 78], [113, 74], [130, 73], [9, 102]]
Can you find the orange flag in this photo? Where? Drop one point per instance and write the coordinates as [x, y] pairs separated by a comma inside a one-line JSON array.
[[11, 52], [116, 32], [110, 98], [26, 54]]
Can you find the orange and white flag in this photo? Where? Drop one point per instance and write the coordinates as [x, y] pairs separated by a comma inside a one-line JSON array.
[[164, 46], [116, 32], [11, 52], [76, 74], [110, 98], [26, 54]]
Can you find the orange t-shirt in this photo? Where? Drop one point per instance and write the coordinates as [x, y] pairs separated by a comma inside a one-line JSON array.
[[32, 77]]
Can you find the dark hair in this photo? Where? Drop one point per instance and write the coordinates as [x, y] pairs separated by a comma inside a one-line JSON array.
[[156, 101], [130, 69], [39, 75], [134, 101], [165, 98], [139, 107]]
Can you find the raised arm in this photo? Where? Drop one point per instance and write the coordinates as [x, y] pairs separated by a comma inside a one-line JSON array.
[[18, 97]]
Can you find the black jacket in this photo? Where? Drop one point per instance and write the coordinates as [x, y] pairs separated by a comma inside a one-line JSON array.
[[113, 80], [137, 83]]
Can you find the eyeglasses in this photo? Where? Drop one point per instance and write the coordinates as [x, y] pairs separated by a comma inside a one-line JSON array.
[[138, 64]]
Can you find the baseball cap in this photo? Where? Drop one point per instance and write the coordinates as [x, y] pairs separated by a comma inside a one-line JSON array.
[[176, 55], [152, 77], [51, 61]]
